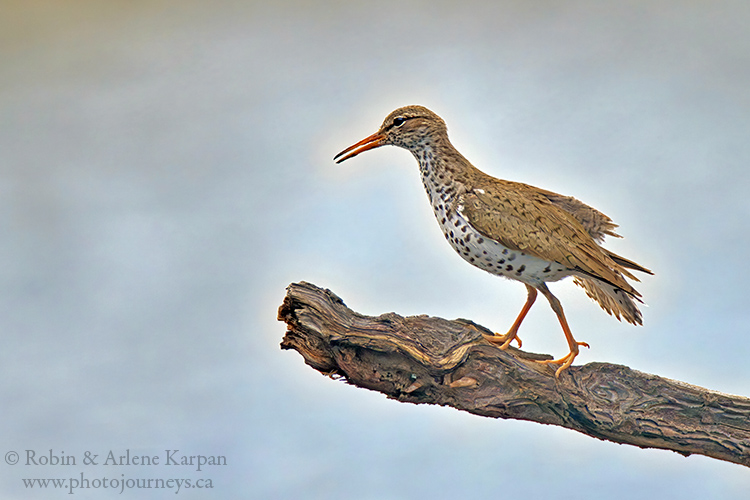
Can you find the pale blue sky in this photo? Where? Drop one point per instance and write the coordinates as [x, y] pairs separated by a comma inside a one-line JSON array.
[[166, 170]]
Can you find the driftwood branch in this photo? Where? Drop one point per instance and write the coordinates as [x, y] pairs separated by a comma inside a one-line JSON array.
[[422, 359]]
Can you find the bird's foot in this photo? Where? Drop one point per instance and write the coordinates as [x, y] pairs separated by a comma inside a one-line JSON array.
[[566, 360], [504, 341]]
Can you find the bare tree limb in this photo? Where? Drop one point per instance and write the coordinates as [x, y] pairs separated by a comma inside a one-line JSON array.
[[421, 359]]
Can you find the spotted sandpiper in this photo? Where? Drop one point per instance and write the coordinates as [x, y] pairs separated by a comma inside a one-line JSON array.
[[512, 229]]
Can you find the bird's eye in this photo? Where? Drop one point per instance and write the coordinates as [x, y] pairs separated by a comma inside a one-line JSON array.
[[398, 121]]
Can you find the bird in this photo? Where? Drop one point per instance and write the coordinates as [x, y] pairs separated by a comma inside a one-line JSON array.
[[511, 229]]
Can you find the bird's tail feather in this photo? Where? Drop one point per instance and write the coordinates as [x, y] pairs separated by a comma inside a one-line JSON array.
[[612, 299]]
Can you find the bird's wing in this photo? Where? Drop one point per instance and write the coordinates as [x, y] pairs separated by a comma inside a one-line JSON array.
[[522, 218], [627, 263], [596, 224], [593, 221]]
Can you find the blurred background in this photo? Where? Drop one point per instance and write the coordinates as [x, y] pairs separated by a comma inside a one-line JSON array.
[[166, 171]]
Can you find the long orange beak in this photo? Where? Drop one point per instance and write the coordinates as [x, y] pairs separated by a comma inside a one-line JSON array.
[[372, 142]]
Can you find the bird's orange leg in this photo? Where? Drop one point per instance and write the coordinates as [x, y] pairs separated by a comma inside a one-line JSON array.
[[505, 340], [567, 360]]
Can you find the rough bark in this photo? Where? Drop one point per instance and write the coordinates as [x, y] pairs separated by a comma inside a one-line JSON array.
[[422, 359]]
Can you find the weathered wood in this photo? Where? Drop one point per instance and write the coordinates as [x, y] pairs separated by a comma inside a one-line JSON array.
[[422, 359]]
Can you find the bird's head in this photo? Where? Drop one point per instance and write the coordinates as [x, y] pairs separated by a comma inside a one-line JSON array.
[[410, 127]]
